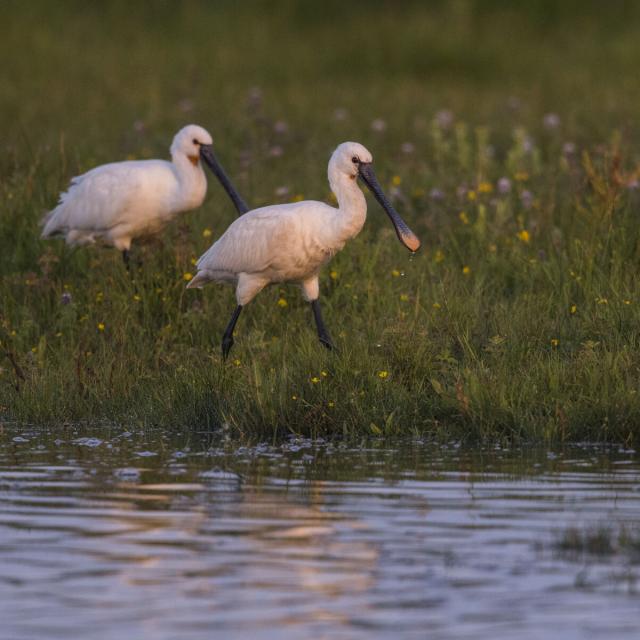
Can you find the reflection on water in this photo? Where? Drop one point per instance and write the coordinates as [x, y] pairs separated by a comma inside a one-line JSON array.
[[123, 535]]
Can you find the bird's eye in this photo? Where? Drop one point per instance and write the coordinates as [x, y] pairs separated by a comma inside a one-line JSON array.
[[355, 160], [195, 141]]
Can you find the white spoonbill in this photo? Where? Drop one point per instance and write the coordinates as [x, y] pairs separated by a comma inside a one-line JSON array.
[[292, 242], [118, 202]]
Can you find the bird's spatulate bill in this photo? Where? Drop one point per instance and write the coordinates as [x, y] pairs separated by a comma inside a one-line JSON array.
[[405, 235], [206, 151]]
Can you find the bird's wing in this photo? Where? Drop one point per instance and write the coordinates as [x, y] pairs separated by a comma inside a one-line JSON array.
[[253, 242], [103, 197]]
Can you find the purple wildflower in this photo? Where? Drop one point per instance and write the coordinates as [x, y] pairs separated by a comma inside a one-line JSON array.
[[526, 197], [551, 121], [444, 118], [340, 114], [407, 147], [185, 105], [504, 186], [514, 103], [280, 126]]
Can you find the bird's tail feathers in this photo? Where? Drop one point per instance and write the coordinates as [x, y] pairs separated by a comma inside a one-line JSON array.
[[199, 280], [48, 223]]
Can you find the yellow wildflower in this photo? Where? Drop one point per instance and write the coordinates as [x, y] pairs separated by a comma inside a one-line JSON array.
[[521, 176], [438, 256], [466, 270], [602, 301], [297, 198], [472, 195], [485, 187], [294, 397], [333, 274], [207, 233], [136, 297], [436, 305], [396, 181], [187, 276], [331, 404], [194, 260], [524, 236], [404, 297], [555, 342], [315, 380], [324, 374], [573, 308], [237, 362], [464, 218], [626, 301], [395, 273], [99, 296], [100, 326], [283, 303], [383, 374]]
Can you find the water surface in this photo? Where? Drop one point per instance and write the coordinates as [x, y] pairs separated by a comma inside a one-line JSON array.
[[108, 534]]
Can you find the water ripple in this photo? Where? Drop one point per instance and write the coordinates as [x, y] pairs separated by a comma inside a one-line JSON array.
[[265, 543]]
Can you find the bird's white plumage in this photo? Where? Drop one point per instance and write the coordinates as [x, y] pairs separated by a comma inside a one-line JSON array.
[[115, 203], [289, 242]]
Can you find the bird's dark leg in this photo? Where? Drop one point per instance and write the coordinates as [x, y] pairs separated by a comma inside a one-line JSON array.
[[227, 338], [323, 334], [125, 258]]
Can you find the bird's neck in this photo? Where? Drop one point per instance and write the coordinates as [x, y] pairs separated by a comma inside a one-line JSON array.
[[352, 205], [193, 182]]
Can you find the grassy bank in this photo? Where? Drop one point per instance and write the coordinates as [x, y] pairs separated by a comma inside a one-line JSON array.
[[508, 140]]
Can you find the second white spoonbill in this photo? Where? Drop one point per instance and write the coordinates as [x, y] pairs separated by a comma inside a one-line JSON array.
[[118, 202], [292, 242]]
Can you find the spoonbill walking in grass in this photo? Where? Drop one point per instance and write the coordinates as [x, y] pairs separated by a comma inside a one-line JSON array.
[[118, 202], [292, 242]]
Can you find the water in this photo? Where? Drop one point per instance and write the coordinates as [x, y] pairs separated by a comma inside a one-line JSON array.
[[110, 534]]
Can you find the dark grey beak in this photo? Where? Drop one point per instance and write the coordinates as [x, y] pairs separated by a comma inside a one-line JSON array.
[[405, 235], [206, 152]]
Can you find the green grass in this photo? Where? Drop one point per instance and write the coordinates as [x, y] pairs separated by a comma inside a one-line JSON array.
[[536, 339]]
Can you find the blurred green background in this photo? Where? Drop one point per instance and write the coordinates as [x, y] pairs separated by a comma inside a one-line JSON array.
[[105, 65]]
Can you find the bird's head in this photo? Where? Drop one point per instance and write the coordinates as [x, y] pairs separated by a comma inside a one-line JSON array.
[[348, 157], [355, 161], [190, 141]]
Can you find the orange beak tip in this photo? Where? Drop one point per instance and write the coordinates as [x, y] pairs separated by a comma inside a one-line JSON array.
[[411, 242]]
